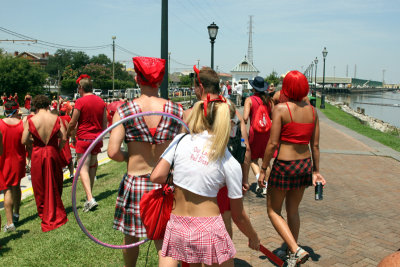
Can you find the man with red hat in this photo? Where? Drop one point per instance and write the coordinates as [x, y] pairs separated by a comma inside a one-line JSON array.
[[12, 163], [146, 138], [90, 118]]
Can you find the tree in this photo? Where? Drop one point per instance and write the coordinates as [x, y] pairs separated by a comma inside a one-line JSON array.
[[96, 71], [79, 59], [186, 81], [273, 78], [59, 61], [18, 75], [101, 59]]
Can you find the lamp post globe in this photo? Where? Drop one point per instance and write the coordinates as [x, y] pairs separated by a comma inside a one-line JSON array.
[[315, 77], [212, 33], [324, 54]]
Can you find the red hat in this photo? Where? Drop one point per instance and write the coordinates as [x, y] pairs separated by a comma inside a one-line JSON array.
[[83, 76], [150, 70]]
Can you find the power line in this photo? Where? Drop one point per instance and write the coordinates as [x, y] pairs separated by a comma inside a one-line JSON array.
[[54, 45], [127, 51]]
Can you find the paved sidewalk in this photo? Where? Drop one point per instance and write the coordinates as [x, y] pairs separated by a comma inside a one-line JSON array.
[[357, 223]]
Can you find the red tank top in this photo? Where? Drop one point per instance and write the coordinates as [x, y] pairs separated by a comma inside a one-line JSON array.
[[297, 133]]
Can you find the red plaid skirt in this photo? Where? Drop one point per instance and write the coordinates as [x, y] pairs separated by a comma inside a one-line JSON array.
[[293, 174], [197, 240], [127, 211]]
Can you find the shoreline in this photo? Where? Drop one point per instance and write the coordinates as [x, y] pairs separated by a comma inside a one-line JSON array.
[[372, 122]]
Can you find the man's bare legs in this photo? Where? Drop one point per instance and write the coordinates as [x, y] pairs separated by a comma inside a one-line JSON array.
[[87, 174], [131, 254]]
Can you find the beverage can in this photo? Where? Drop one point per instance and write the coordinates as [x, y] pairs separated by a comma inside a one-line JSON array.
[[318, 191]]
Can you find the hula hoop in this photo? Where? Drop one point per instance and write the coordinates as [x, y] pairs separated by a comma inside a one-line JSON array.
[[87, 152]]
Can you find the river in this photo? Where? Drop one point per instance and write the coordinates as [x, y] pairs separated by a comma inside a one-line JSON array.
[[384, 106]]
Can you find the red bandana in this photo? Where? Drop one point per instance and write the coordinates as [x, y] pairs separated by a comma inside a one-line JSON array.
[[83, 76], [208, 100], [150, 71]]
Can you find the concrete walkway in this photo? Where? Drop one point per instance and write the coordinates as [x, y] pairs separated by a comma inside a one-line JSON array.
[[357, 223]]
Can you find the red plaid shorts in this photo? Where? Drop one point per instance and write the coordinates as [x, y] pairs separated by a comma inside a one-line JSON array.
[[293, 174], [127, 211], [197, 240]]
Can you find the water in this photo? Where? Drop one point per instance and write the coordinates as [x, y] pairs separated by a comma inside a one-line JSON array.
[[384, 106]]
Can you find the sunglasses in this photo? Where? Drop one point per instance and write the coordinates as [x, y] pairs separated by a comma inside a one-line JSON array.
[[197, 71], [208, 100]]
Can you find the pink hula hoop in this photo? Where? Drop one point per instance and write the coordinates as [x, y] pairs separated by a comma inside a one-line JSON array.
[[87, 152]]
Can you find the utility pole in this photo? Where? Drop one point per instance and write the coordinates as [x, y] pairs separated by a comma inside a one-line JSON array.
[[164, 45], [347, 70], [383, 77], [169, 65], [113, 67], [198, 63], [33, 41]]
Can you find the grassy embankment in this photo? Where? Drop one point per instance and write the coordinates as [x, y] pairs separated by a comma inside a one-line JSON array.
[[390, 139], [68, 245]]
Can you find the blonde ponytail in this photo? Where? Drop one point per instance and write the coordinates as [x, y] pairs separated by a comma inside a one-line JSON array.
[[217, 123]]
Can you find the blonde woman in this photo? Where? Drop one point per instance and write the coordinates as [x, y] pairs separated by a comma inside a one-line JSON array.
[[203, 165]]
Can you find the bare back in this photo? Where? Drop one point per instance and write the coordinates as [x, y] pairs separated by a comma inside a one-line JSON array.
[[144, 156], [301, 112], [44, 122]]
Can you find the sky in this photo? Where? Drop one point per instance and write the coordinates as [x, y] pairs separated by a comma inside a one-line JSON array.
[[287, 35]]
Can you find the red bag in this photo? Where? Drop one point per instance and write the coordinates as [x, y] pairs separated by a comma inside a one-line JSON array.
[[156, 206], [262, 122], [155, 222]]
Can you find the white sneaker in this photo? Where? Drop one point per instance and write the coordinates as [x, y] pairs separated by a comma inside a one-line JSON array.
[[90, 205], [300, 257], [9, 228]]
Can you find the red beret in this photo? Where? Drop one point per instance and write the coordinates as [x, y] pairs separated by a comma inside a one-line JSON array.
[[149, 70]]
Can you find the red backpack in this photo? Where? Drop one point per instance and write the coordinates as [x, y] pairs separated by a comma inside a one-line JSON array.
[[262, 122]]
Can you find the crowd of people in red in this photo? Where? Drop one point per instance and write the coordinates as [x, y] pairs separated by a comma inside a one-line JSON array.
[[210, 171]]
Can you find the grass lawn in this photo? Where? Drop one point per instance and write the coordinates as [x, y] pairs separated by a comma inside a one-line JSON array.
[[339, 116], [68, 245]]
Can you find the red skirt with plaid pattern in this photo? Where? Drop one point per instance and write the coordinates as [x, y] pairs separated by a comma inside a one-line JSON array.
[[197, 240], [127, 210], [293, 174]]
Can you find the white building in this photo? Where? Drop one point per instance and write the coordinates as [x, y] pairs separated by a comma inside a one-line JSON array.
[[243, 72]]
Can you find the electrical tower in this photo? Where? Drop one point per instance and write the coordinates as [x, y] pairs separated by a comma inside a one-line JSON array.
[[250, 48]]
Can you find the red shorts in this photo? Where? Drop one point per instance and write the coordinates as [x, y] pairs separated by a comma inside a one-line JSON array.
[[223, 201], [82, 145]]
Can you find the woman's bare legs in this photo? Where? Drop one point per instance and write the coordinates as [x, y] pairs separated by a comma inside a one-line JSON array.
[[293, 199], [275, 198]]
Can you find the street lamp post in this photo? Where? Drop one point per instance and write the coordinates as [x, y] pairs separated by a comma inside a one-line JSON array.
[[113, 67], [212, 32], [312, 70], [322, 106], [315, 80]]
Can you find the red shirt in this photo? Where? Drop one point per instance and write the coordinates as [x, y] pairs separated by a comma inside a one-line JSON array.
[[90, 122]]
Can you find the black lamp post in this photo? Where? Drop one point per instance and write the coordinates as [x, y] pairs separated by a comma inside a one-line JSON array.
[[324, 53], [315, 80], [212, 32], [312, 70]]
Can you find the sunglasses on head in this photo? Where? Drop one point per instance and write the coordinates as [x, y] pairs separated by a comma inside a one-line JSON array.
[[208, 100]]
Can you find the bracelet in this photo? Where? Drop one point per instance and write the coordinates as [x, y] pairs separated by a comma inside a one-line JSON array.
[[264, 169]]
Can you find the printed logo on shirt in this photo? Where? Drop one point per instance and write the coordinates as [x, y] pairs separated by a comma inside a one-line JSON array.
[[199, 156]]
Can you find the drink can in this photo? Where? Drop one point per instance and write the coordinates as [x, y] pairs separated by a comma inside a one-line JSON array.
[[318, 191]]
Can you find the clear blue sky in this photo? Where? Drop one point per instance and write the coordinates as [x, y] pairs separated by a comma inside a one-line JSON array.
[[287, 34]]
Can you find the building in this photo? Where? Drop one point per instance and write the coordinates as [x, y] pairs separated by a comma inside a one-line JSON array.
[[40, 59], [243, 72]]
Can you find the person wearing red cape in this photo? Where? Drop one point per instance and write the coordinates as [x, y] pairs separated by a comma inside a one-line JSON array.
[[49, 137], [12, 163]]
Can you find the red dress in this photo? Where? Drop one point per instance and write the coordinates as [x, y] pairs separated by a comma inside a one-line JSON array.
[[28, 103], [66, 156], [12, 162], [47, 179], [258, 141]]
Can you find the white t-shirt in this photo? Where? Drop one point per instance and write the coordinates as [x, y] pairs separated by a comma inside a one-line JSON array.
[[239, 89], [195, 173]]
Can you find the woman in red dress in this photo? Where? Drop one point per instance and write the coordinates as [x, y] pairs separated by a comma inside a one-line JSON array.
[[12, 163], [49, 137], [28, 99]]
